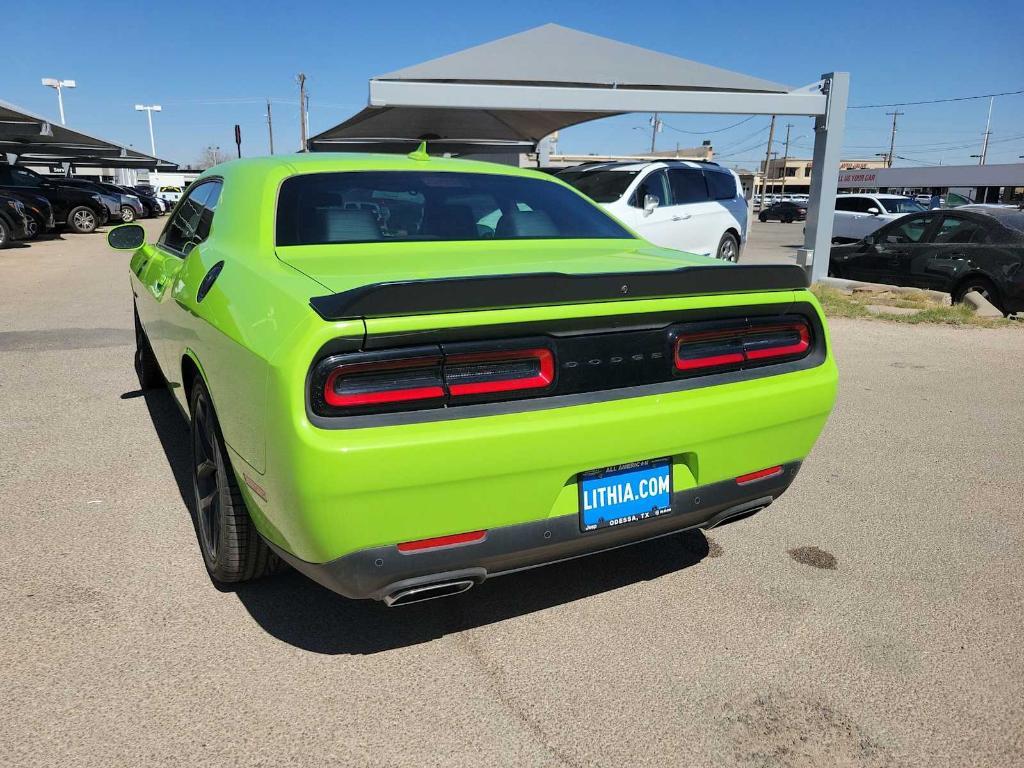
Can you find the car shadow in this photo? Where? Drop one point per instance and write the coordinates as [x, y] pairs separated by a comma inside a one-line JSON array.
[[300, 612]]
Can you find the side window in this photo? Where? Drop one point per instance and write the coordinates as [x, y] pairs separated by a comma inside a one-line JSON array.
[[844, 204], [962, 231], [190, 224], [22, 178], [687, 186], [909, 230], [654, 184], [722, 186]]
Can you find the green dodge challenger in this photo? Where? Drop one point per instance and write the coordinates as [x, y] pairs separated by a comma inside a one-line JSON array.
[[405, 375]]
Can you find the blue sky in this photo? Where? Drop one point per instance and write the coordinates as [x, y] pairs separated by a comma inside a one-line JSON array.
[[210, 65]]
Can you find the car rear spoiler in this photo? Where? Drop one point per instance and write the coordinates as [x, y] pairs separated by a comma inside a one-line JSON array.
[[464, 294]]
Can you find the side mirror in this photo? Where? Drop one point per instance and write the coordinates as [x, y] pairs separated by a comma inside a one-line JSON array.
[[869, 240], [650, 203], [126, 237], [874, 211]]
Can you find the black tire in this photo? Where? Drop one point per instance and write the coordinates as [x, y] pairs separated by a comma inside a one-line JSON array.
[[763, 218], [127, 214], [5, 234], [146, 366], [232, 549], [34, 228], [982, 285], [83, 220], [728, 248], [787, 221]]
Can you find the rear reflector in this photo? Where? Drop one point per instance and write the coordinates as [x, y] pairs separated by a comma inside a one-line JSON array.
[[761, 474], [442, 541], [480, 373]]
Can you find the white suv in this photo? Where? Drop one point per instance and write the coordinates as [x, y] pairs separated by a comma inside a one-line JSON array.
[[689, 206], [857, 216]]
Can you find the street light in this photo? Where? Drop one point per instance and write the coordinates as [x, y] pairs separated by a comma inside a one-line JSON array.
[[149, 114], [58, 85]]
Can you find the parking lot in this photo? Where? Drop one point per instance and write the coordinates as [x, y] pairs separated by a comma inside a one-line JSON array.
[[871, 617]]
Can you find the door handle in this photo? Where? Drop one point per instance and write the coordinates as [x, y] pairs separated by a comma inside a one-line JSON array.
[[680, 217]]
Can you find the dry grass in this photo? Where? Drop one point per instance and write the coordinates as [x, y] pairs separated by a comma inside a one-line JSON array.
[[837, 303]]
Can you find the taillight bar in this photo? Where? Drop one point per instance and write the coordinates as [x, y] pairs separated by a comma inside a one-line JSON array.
[[739, 345], [426, 377]]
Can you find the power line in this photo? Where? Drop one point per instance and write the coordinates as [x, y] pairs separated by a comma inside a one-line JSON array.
[[937, 101], [716, 130]]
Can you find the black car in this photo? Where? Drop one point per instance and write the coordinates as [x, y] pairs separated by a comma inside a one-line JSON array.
[[14, 221], [80, 210], [151, 206], [973, 248], [785, 211], [39, 212]]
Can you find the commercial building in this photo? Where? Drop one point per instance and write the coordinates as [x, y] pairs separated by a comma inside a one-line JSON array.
[[792, 175], [998, 183]]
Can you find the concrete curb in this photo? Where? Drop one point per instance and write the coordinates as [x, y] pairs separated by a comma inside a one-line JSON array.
[[981, 306], [849, 285]]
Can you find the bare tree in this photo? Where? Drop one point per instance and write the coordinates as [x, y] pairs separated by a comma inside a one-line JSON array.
[[210, 157]]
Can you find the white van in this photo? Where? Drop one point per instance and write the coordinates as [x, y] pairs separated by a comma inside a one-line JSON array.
[[688, 206]]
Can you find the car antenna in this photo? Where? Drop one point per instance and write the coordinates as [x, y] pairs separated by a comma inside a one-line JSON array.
[[420, 153]]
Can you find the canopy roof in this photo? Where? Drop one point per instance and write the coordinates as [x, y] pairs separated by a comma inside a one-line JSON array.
[[437, 101], [34, 139]]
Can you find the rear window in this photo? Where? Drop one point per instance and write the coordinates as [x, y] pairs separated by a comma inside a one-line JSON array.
[[600, 186], [721, 186], [381, 206]]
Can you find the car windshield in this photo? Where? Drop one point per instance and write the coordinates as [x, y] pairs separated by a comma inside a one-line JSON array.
[[372, 206], [600, 186], [901, 205]]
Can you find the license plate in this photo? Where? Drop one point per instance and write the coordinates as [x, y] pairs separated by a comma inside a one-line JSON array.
[[625, 494]]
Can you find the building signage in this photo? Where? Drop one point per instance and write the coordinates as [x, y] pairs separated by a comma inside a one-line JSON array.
[[857, 177]]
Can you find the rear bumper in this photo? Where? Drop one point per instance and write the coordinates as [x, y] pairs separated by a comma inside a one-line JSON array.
[[381, 571]]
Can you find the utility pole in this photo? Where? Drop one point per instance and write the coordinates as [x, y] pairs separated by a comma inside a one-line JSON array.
[[655, 127], [270, 127], [767, 161], [988, 130], [149, 114], [785, 159], [301, 79], [892, 138]]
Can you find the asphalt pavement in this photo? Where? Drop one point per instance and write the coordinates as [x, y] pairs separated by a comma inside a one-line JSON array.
[[871, 617]]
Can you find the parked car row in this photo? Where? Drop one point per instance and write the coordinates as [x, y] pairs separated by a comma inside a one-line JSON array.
[[32, 204]]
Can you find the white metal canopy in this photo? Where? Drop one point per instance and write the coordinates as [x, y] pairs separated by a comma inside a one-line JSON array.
[[34, 139], [512, 92]]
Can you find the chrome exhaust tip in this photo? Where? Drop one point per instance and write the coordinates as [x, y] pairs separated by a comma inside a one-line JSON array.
[[424, 592]]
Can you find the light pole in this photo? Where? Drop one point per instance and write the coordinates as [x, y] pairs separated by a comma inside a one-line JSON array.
[[149, 113], [59, 85]]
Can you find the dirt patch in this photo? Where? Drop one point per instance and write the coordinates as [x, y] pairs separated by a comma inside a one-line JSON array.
[[714, 548], [781, 729], [814, 557]]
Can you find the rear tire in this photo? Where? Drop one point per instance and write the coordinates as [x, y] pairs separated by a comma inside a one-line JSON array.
[[83, 220], [763, 218], [5, 234], [127, 214], [981, 285], [232, 549], [146, 366], [728, 248]]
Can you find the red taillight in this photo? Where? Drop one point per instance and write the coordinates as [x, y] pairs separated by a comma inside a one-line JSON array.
[[479, 373], [700, 350], [442, 541], [761, 474], [383, 382]]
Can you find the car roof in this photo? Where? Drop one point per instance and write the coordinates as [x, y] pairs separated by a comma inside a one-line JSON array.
[[639, 165], [879, 195]]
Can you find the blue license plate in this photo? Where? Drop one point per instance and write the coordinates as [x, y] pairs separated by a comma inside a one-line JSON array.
[[624, 494]]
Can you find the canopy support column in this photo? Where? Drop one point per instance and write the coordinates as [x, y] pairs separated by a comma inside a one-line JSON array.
[[821, 205]]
